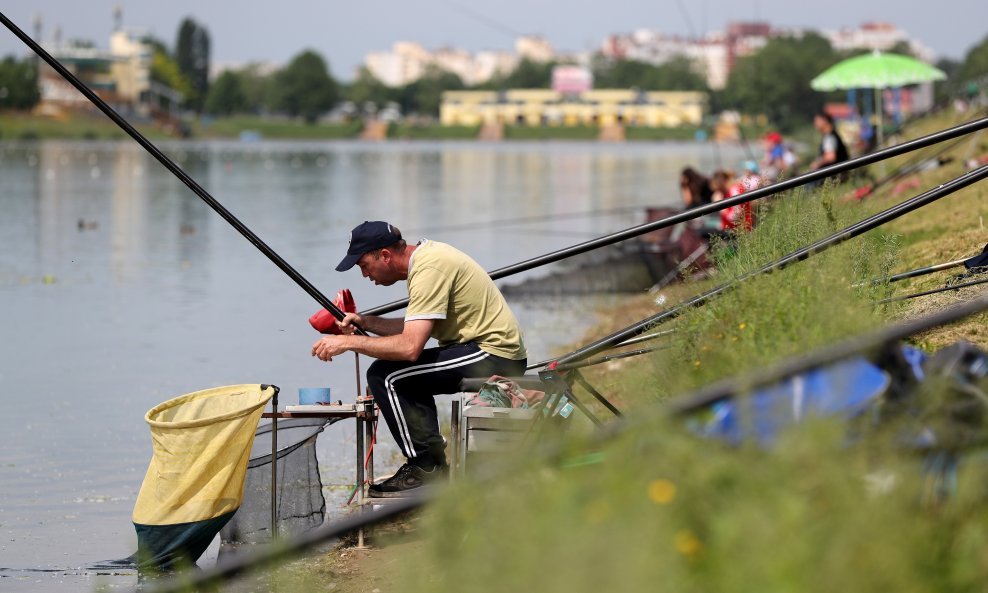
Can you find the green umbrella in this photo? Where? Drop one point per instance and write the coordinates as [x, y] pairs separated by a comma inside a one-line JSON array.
[[877, 71]]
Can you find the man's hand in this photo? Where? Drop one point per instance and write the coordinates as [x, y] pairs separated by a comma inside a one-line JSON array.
[[348, 322], [329, 346], [403, 345]]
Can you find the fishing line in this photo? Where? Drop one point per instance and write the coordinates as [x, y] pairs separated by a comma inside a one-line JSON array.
[[177, 171], [482, 18], [472, 226], [905, 297], [543, 232], [914, 273]]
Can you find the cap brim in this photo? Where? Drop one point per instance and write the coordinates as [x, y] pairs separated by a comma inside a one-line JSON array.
[[348, 262]]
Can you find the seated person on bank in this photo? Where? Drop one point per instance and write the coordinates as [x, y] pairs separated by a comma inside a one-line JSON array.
[[452, 299]]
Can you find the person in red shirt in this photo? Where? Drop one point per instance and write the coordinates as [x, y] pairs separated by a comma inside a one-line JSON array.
[[740, 216]]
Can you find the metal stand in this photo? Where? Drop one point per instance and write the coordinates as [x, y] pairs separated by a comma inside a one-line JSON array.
[[274, 466], [366, 415], [454, 435]]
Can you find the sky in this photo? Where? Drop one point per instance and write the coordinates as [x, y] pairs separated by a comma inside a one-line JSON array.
[[242, 31]]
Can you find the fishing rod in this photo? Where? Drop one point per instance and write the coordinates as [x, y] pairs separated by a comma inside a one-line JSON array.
[[697, 254], [178, 172], [608, 358], [926, 270], [819, 174], [226, 569], [915, 273], [841, 236], [629, 342], [470, 226], [905, 297]]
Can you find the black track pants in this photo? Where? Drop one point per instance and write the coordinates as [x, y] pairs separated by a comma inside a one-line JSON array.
[[405, 391]]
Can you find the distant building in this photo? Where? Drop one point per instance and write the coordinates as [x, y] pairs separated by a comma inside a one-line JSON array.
[[90, 65], [408, 61], [534, 48], [489, 64], [131, 67], [880, 36], [121, 76], [405, 63], [458, 61], [259, 69], [603, 107], [571, 79], [713, 57]]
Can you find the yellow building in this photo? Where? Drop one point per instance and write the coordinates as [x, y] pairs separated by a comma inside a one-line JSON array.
[[602, 107]]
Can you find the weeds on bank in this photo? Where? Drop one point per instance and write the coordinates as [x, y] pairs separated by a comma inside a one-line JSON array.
[[774, 315]]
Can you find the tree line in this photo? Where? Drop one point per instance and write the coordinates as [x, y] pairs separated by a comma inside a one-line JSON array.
[[775, 81], [306, 88]]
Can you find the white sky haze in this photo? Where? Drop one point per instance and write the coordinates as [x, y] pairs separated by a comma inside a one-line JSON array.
[[343, 32]]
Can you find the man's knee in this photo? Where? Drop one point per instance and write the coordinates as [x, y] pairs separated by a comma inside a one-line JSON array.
[[377, 372]]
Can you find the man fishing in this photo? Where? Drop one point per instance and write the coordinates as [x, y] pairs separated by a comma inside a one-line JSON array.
[[450, 298]]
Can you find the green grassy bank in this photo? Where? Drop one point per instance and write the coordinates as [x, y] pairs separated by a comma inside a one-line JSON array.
[[96, 126]]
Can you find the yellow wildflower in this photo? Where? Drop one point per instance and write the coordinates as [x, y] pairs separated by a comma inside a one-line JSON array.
[[662, 491], [687, 543]]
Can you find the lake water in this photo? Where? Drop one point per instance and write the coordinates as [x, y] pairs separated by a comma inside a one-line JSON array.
[[119, 289]]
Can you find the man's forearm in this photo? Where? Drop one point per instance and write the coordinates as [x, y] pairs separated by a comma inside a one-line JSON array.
[[382, 326], [394, 347]]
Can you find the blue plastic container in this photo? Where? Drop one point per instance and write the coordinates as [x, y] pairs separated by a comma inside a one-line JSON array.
[[313, 395]]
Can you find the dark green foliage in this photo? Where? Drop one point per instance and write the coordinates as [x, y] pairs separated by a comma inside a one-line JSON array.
[[677, 74], [948, 88], [975, 66], [367, 89], [776, 80], [527, 75], [226, 95], [304, 88], [257, 88], [165, 70], [425, 94], [18, 83], [192, 58]]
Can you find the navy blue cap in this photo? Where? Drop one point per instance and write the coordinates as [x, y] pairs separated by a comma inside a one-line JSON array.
[[366, 237]]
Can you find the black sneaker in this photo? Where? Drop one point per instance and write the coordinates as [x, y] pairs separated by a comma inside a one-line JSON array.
[[407, 479]]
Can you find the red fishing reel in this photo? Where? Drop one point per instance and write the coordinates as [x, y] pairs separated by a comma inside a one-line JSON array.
[[324, 322]]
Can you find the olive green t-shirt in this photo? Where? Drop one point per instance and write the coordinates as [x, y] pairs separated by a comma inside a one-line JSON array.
[[446, 285]]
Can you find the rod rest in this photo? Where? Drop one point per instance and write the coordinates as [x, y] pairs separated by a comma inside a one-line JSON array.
[[525, 382]]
